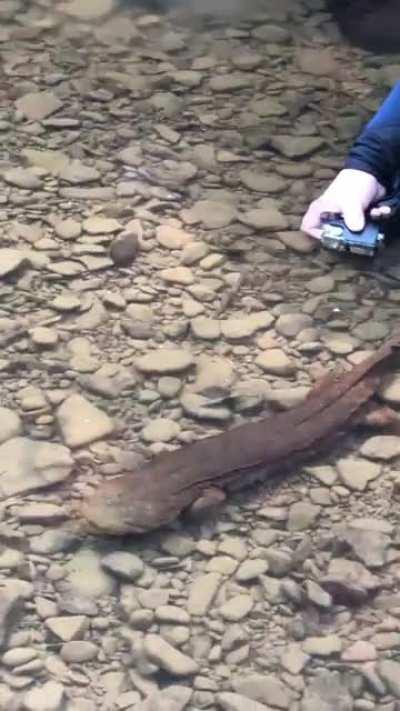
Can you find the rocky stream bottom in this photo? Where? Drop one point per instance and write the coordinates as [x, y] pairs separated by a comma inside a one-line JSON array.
[[155, 289]]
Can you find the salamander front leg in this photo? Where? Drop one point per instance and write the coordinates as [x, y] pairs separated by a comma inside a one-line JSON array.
[[207, 502]]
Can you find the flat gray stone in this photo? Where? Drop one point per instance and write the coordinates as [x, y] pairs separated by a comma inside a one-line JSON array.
[[97, 225], [368, 544], [37, 512], [268, 106], [123, 564], [273, 34], [297, 241], [67, 628], [167, 657], [267, 218], [85, 575], [89, 10], [38, 105], [23, 178], [81, 422], [213, 214], [88, 194], [178, 275], [57, 540], [18, 655], [203, 408], [28, 465], [290, 325], [296, 146], [12, 259], [323, 646], [77, 173], [286, 398], [78, 651], [317, 595], [293, 658], [390, 389], [327, 692], [239, 327], [237, 608], [231, 82], [51, 161], [202, 593], [170, 698], [302, 516], [264, 688], [10, 424], [49, 697], [321, 284], [262, 182], [360, 651], [381, 448], [163, 360], [371, 330], [162, 429], [251, 569], [356, 473], [207, 329], [173, 237], [276, 362], [389, 672], [229, 701]]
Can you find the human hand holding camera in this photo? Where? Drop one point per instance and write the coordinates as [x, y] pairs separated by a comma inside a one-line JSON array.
[[350, 194]]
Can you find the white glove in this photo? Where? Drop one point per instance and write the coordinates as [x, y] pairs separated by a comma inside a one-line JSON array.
[[350, 194]]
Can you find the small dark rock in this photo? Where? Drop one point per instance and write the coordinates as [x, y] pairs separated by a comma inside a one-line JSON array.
[[11, 609], [349, 582], [123, 251], [297, 629]]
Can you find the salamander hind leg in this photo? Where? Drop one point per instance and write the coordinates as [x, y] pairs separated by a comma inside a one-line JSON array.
[[379, 417]]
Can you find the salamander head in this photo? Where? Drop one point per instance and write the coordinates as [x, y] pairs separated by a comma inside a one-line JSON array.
[[123, 506]]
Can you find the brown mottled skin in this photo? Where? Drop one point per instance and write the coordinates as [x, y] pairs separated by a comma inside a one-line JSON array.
[[199, 474]]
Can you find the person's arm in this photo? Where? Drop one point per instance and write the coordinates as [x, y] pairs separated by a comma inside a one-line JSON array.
[[368, 175], [377, 149]]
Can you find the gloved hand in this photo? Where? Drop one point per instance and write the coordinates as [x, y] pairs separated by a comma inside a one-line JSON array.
[[350, 194]]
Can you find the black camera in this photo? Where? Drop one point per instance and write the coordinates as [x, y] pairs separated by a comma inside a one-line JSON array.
[[376, 233], [337, 236]]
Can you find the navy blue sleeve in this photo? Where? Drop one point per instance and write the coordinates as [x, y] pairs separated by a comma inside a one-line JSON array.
[[377, 149]]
